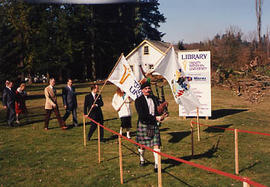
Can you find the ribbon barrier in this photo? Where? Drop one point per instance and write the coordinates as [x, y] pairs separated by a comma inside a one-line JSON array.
[[236, 155], [232, 129], [229, 175]]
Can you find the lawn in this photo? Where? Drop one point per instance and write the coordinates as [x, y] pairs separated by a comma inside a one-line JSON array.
[[30, 156]]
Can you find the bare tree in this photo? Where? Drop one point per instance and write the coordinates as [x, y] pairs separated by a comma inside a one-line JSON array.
[[267, 43], [259, 19]]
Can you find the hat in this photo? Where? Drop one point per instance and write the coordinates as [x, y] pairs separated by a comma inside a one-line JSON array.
[[145, 82]]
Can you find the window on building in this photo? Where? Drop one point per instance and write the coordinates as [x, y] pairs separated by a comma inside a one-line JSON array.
[[146, 50]]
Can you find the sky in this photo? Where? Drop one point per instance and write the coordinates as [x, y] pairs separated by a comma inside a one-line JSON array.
[[199, 20]]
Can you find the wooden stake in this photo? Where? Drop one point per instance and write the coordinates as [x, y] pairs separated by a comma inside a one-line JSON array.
[[84, 132], [245, 184], [206, 117], [98, 143], [236, 151], [120, 159], [198, 126], [192, 141], [159, 171]]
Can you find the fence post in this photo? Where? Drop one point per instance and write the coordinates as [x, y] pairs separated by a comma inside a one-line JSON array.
[[245, 184], [198, 125], [236, 151], [120, 159], [98, 143], [84, 132], [192, 141], [159, 171]]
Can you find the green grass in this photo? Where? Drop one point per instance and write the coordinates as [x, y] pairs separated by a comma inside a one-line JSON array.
[[30, 156]]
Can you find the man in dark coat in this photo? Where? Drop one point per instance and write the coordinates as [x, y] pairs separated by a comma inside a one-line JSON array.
[[147, 129], [70, 102], [96, 112], [8, 101]]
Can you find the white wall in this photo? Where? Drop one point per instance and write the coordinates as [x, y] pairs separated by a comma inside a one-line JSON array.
[[138, 58]]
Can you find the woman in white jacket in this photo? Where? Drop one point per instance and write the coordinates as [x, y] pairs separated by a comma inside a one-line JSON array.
[[121, 103]]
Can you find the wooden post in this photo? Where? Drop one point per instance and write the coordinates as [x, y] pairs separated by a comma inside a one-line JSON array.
[[192, 141], [120, 159], [236, 151], [245, 184], [206, 118], [84, 132], [184, 117], [198, 125], [159, 171], [98, 143]]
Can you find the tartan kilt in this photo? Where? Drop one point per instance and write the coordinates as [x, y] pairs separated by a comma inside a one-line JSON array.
[[142, 138]]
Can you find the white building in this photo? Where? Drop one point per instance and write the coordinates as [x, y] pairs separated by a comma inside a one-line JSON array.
[[146, 55]]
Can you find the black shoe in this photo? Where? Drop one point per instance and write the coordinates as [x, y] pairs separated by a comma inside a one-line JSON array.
[[102, 140], [155, 170], [142, 163]]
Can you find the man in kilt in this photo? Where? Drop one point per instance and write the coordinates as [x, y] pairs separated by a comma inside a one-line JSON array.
[[147, 129]]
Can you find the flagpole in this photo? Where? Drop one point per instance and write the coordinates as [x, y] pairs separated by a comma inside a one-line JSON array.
[[106, 82], [84, 132]]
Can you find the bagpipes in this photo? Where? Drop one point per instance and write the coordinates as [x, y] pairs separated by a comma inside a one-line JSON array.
[[162, 103]]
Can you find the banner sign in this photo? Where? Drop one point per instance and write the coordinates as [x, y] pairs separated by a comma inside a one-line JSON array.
[[196, 66], [123, 77]]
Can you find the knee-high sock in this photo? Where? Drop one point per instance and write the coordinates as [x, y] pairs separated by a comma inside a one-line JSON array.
[[156, 157], [128, 135], [141, 152]]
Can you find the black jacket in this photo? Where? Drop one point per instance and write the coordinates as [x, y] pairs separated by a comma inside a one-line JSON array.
[[143, 111], [69, 98], [8, 98], [96, 113]]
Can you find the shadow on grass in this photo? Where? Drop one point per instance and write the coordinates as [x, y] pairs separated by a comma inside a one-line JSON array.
[[208, 154], [178, 136], [216, 128], [250, 166], [146, 164], [225, 112]]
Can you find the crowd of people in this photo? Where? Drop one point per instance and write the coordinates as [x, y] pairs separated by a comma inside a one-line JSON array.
[[147, 106]]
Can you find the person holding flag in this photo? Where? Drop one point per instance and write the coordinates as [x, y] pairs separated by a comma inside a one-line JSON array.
[[121, 103]]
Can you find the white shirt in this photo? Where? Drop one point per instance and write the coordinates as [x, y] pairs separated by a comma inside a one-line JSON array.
[[151, 105], [118, 102], [94, 95]]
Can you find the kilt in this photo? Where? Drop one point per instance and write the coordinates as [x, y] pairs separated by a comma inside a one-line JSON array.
[[142, 138], [126, 122]]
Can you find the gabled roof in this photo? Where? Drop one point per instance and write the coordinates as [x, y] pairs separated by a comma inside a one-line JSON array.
[[158, 45]]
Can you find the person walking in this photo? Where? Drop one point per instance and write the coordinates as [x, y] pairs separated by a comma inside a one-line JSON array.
[[52, 106], [95, 108], [8, 101], [20, 106], [148, 133], [121, 103], [70, 102]]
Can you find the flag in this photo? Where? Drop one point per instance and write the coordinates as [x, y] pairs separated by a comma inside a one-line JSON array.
[[123, 77], [171, 70]]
